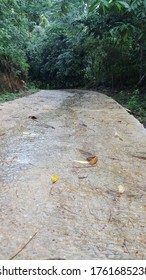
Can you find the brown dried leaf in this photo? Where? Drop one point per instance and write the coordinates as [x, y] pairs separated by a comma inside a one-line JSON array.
[[92, 159], [33, 117]]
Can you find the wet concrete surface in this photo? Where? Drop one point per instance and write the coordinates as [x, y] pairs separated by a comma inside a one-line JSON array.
[[92, 211]]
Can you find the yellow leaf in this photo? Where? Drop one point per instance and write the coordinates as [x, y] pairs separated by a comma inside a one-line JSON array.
[[121, 189], [81, 161], [75, 123], [54, 178], [45, 108]]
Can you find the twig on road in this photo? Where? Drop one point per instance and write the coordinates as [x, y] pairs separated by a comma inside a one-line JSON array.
[[24, 246], [110, 217]]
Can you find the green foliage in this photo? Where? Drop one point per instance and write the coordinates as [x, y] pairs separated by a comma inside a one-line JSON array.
[[6, 96], [13, 33], [9, 96], [135, 101], [89, 43], [60, 62], [56, 54], [82, 43]]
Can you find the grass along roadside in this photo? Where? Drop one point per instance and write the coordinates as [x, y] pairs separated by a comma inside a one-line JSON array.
[[8, 96], [134, 102]]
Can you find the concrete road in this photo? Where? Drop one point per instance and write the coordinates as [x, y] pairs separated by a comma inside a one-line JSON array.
[[92, 211]]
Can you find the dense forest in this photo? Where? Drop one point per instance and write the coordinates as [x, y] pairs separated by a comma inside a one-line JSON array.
[[75, 44]]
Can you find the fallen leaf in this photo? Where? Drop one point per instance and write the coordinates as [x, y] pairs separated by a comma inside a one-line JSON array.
[[81, 161], [54, 178], [117, 135], [82, 177], [47, 126], [139, 157], [75, 123], [26, 133], [33, 117], [45, 108], [82, 124], [2, 133], [121, 189], [92, 159]]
